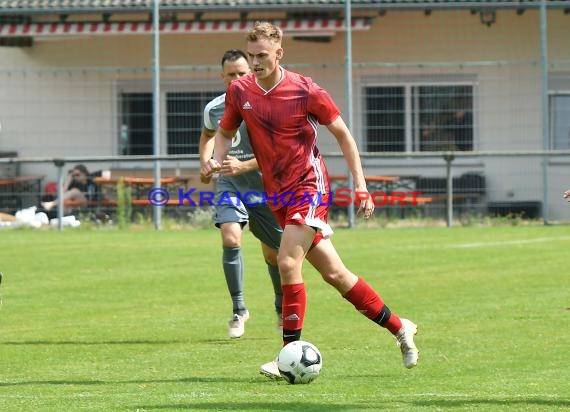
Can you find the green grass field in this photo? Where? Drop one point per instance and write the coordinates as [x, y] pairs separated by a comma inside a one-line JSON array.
[[108, 320]]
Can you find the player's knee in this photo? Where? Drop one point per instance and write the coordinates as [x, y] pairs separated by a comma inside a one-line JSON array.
[[271, 261], [332, 278], [270, 258], [231, 234], [340, 278], [230, 240], [288, 265]]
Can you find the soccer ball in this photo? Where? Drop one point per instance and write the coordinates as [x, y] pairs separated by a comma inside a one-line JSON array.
[[299, 362]]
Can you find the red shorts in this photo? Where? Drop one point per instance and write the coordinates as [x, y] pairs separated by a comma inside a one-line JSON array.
[[301, 210]]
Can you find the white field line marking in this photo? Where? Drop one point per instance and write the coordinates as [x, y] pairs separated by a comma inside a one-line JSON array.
[[511, 242]]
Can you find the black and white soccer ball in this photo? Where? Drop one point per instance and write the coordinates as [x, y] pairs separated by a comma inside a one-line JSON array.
[[300, 362]]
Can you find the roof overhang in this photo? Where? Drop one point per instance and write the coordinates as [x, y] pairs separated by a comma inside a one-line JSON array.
[[325, 27], [28, 7]]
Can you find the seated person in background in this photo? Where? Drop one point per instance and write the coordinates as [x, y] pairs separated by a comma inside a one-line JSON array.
[[450, 128], [439, 134], [78, 186]]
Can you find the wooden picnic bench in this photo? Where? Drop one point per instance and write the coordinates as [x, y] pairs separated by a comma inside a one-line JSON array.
[[20, 191]]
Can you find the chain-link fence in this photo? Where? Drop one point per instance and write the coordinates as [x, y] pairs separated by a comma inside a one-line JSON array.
[[450, 102]]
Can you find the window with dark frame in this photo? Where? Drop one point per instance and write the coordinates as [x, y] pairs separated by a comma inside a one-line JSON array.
[[184, 120], [440, 117], [184, 111], [560, 121], [135, 137], [385, 119]]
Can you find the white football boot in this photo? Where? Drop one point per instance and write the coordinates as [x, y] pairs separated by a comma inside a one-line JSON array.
[[236, 326], [271, 370], [405, 340]]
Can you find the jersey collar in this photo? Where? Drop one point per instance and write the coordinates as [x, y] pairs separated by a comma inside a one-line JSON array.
[[275, 85]]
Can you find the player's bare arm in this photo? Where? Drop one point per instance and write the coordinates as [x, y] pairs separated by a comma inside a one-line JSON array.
[[206, 149], [222, 145], [567, 195], [352, 157], [232, 166]]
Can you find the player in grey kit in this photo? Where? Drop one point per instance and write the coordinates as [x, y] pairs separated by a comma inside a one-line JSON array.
[[238, 176]]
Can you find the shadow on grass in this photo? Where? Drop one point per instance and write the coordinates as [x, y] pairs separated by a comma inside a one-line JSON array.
[[111, 342], [309, 406], [193, 379], [225, 341], [506, 403], [260, 406]]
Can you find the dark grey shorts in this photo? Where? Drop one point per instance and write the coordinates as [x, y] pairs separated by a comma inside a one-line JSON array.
[[262, 222]]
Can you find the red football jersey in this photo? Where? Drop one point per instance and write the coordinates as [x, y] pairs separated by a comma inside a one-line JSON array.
[[282, 125]]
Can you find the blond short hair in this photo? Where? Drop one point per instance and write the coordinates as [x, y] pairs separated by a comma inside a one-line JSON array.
[[265, 30]]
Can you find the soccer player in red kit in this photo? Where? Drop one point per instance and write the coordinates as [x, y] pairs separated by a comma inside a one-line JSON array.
[[281, 110]]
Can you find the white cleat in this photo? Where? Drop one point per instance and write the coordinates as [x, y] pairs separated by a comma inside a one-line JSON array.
[[236, 326], [405, 340], [271, 370]]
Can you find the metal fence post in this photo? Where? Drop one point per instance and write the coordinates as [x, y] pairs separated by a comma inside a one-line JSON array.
[[448, 157], [545, 112], [157, 211], [59, 163], [348, 87]]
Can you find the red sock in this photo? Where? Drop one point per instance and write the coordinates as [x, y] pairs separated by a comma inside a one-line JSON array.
[[370, 304], [294, 304]]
